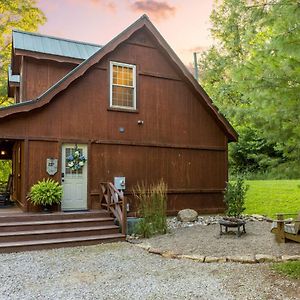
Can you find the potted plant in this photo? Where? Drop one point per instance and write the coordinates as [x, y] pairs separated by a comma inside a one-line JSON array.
[[46, 193]]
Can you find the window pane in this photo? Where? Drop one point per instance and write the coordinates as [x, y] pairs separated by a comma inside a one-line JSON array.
[[122, 96], [68, 170], [123, 75]]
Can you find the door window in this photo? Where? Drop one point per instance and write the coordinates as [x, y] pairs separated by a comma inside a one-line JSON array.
[[68, 170]]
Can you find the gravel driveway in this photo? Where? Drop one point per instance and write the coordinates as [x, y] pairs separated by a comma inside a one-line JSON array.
[[124, 271]]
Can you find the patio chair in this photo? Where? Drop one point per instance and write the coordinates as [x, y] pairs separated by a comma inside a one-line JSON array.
[[5, 191], [286, 229]]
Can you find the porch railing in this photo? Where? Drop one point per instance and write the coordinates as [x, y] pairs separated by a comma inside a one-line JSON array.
[[114, 201]]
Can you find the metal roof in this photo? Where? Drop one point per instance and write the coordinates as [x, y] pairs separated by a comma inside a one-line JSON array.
[[13, 78], [52, 45]]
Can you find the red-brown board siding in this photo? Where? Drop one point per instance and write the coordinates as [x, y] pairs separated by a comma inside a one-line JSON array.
[[197, 174], [39, 151], [179, 141], [170, 111], [39, 75]]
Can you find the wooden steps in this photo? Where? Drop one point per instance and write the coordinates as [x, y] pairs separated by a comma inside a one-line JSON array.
[[24, 232]]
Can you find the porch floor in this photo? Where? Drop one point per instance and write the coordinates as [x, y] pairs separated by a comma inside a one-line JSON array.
[[13, 210]]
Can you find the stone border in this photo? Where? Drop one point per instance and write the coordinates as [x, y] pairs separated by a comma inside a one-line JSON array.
[[243, 259]]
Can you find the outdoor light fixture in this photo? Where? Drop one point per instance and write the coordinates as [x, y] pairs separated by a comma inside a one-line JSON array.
[[2, 152]]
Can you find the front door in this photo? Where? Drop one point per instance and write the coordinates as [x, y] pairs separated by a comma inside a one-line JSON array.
[[74, 180]]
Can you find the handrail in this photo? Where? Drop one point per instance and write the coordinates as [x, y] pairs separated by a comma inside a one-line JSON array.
[[115, 202]]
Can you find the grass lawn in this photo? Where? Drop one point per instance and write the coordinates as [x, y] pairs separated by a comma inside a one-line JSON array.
[[268, 197], [290, 269]]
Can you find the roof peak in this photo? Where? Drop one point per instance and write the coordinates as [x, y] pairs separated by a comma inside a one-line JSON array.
[[55, 37]]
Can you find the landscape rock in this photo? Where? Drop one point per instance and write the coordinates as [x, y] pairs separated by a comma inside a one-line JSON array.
[[198, 258], [214, 259], [261, 258], [258, 217], [143, 246], [245, 259], [155, 251], [169, 254], [290, 257], [187, 215]]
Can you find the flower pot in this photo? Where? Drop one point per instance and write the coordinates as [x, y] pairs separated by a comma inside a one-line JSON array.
[[46, 209]]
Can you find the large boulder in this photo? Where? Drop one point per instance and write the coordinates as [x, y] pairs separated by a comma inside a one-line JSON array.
[[187, 215]]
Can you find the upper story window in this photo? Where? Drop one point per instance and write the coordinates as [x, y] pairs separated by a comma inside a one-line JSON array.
[[122, 85]]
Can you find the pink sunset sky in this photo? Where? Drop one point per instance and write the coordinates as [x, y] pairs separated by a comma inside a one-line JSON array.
[[183, 23]]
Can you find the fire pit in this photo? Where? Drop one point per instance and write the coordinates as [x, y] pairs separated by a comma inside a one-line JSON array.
[[232, 223]]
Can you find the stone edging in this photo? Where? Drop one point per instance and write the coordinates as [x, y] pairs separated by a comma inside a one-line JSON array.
[[244, 259]]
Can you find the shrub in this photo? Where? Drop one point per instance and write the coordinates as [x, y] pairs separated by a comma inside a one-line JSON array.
[[152, 205], [234, 198], [46, 192]]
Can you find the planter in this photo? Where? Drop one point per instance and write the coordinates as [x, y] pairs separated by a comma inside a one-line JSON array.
[[47, 209], [132, 223]]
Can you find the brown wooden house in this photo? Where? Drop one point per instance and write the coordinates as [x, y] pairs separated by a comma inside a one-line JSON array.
[[131, 107]]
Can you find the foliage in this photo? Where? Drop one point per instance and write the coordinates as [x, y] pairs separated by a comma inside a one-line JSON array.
[[268, 197], [253, 75], [152, 205], [234, 198], [76, 160], [5, 169], [46, 192], [290, 269], [15, 14], [253, 153]]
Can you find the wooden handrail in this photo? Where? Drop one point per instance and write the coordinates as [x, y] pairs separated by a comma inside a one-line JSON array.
[[115, 202]]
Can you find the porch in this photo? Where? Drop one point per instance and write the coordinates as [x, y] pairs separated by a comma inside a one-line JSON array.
[[11, 157], [23, 231]]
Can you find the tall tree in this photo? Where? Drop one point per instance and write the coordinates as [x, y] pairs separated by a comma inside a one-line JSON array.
[[15, 14], [253, 70]]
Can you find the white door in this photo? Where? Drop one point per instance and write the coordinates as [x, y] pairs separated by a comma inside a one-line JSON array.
[[74, 181]]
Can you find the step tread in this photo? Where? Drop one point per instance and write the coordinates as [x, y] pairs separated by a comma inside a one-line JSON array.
[[62, 240], [46, 222], [57, 230]]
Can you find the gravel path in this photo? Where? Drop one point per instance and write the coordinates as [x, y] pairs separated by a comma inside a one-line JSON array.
[[124, 271], [206, 240]]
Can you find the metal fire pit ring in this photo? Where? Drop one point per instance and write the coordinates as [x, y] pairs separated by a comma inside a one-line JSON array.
[[239, 224]]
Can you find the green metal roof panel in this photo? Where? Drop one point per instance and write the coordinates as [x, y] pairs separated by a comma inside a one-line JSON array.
[[29, 41]]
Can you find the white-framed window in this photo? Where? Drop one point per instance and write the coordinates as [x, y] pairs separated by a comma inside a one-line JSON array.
[[122, 85]]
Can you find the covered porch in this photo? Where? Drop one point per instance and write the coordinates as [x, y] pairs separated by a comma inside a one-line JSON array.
[[11, 174]]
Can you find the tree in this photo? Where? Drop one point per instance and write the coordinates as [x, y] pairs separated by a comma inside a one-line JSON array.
[[253, 70], [15, 14]]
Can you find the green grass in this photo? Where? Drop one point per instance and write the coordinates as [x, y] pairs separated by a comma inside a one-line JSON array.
[[268, 197], [290, 269]]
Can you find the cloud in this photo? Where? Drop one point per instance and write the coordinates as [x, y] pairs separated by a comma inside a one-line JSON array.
[[157, 10], [110, 5], [106, 4]]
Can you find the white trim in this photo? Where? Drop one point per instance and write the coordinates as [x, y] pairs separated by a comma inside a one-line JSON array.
[[133, 67]]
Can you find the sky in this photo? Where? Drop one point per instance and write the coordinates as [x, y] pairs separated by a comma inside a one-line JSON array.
[[183, 23]]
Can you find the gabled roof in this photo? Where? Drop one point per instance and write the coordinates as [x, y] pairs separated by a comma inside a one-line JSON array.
[[34, 42], [77, 72]]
